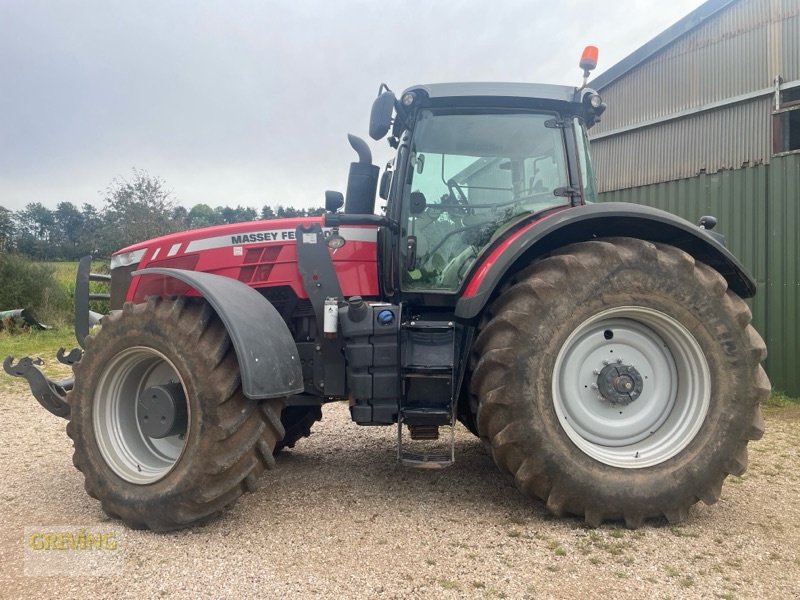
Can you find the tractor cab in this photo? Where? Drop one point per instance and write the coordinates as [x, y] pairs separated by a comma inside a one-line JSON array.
[[474, 161]]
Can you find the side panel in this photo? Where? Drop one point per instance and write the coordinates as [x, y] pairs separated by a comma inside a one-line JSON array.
[[268, 358], [590, 222]]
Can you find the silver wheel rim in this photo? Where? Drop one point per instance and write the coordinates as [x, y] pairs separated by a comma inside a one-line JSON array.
[[675, 387], [131, 454]]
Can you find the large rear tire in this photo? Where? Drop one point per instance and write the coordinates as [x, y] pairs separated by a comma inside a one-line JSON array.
[[619, 379], [217, 450]]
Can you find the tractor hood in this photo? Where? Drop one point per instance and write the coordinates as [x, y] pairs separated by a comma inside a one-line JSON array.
[[258, 230], [259, 253]]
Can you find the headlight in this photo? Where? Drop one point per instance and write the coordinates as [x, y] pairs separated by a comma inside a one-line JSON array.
[[127, 258]]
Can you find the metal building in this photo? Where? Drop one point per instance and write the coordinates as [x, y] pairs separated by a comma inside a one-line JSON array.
[[705, 119]]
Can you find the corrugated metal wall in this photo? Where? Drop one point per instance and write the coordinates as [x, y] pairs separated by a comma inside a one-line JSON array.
[[783, 272], [736, 53], [727, 56], [759, 212], [790, 39], [681, 148]]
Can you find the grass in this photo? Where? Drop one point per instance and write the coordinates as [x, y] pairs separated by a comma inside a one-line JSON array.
[[36, 343], [29, 342], [41, 344], [780, 399], [64, 272], [449, 584], [672, 571]]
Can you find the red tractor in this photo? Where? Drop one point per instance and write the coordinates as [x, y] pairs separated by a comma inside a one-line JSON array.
[[602, 352]]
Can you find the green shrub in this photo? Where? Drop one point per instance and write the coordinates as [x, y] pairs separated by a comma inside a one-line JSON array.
[[25, 284]]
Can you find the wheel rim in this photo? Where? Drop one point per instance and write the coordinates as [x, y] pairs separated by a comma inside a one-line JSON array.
[[131, 454], [606, 361]]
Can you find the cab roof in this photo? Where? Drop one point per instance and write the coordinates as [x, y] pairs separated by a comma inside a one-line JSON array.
[[537, 91]]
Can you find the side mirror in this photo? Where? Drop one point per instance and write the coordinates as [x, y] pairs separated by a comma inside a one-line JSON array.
[[380, 118], [333, 201]]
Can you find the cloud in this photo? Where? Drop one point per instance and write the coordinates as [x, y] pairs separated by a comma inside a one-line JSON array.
[[250, 102]]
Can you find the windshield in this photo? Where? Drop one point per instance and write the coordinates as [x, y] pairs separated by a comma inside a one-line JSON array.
[[469, 176]]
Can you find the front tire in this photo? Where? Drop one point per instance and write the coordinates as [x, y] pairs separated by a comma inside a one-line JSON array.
[[218, 448], [619, 379]]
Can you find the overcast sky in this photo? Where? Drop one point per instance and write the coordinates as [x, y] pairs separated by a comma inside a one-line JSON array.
[[249, 103]]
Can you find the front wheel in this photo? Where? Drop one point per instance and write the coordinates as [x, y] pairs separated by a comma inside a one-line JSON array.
[[619, 379], [162, 430]]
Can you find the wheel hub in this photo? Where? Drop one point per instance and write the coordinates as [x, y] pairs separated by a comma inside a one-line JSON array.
[[162, 410], [620, 384]]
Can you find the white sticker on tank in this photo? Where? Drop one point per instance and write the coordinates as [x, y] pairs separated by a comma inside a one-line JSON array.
[[174, 249], [238, 250]]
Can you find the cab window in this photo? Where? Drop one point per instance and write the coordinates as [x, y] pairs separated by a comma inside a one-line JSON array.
[[469, 177]]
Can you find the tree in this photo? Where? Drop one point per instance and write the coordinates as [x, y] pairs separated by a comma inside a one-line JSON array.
[[91, 229], [180, 217], [66, 238], [6, 229], [35, 225], [267, 212], [137, 209], [236, 215], [202, 215]]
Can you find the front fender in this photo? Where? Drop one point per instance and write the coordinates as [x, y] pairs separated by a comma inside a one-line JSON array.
[[268, 358], [609, 219]]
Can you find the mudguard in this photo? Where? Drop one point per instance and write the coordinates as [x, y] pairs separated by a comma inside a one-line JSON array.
[[268, 358], [589, 222]]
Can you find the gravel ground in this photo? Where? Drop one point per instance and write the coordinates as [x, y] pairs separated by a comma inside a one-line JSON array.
[[340, 519]]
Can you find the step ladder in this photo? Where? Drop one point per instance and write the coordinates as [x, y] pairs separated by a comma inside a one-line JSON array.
[[427, 405]]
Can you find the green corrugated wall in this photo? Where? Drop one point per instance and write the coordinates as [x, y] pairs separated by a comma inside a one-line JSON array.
[[758, 209]]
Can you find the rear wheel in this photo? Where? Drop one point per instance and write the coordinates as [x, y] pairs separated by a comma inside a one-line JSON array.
[[619, 379], [162, 431]]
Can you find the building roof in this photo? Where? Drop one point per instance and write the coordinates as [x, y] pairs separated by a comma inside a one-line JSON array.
[[661, 41]]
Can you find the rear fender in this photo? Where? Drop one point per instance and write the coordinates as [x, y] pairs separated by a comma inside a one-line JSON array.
[[268, 358], [611, 219]]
